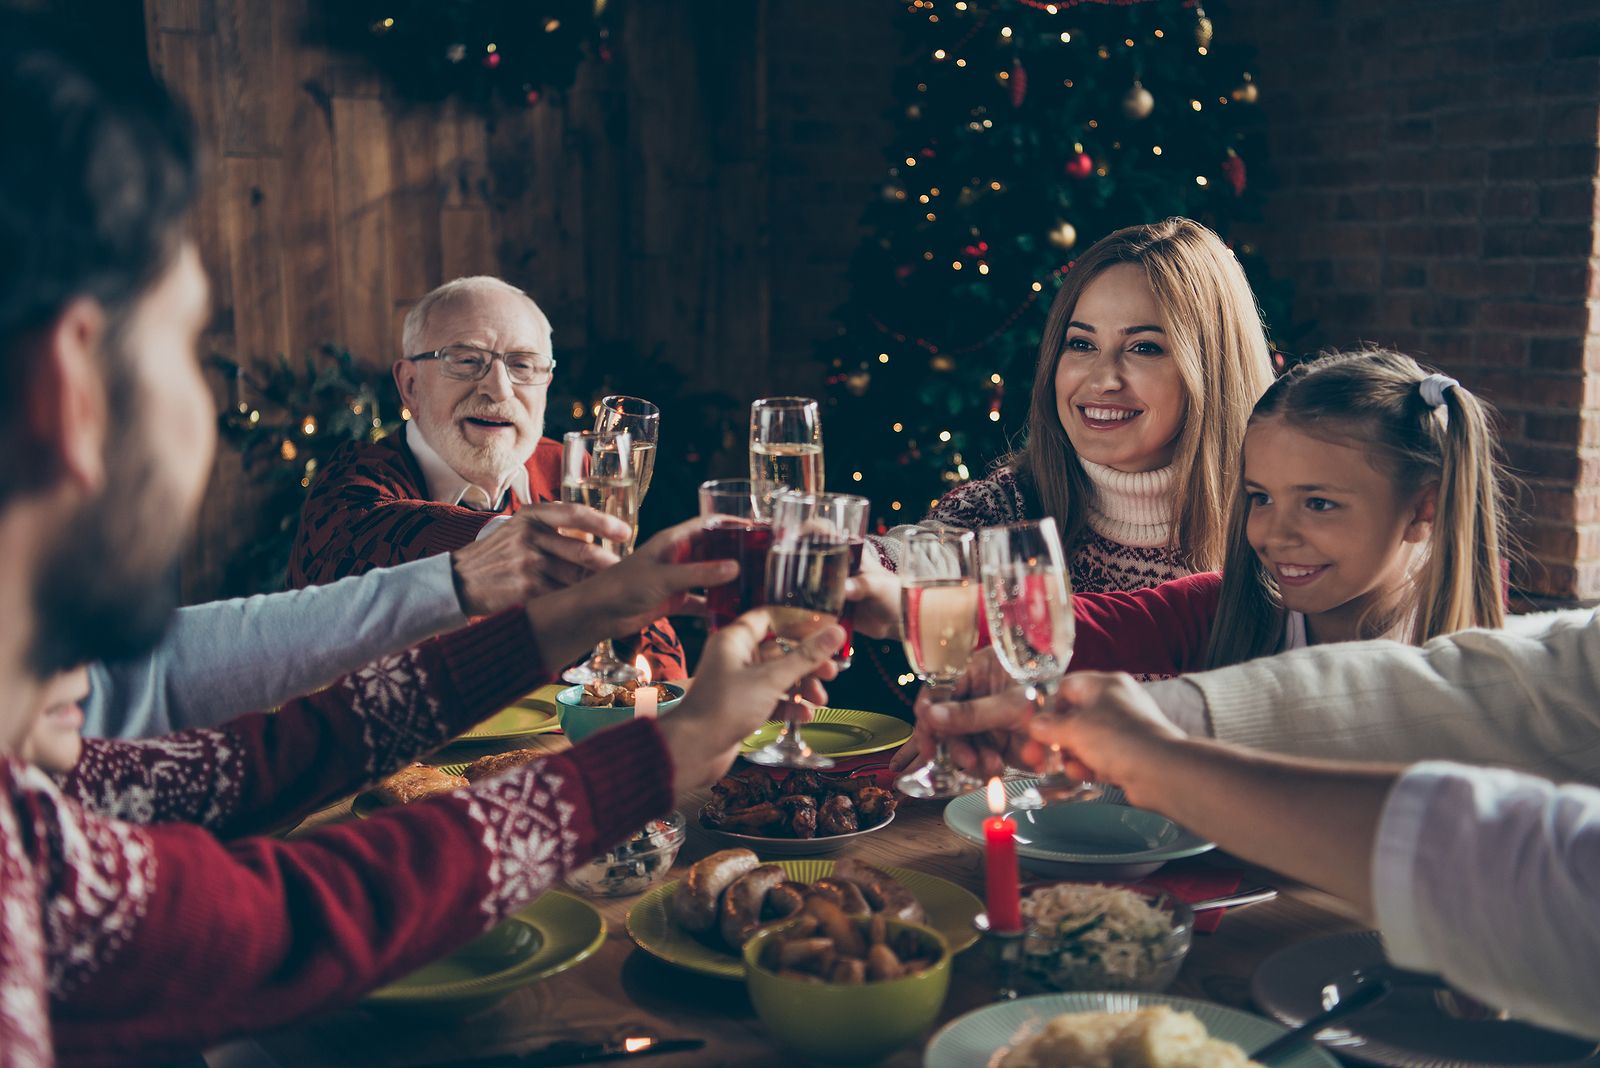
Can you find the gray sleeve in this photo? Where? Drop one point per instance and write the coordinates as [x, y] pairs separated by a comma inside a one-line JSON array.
[[223, 659]]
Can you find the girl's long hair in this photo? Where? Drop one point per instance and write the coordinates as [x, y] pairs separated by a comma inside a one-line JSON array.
[[1214, 332], [1372, 399]]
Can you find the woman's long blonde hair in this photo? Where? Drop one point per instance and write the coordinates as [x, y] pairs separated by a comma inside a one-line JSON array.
[[1214, 333], [1373, 399]]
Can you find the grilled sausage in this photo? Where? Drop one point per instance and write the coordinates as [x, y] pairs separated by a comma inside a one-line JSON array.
[[846, 895], [881, 890], [694, 903], [741, 905]]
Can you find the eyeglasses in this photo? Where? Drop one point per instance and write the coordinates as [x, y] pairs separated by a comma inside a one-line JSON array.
[[468, 364]]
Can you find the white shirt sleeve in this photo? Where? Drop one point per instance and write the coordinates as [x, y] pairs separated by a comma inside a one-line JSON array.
[[1183, 703], [1491, 879], [491, 526]]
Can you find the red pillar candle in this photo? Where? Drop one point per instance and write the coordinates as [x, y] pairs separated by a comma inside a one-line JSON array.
[[1003, 895]]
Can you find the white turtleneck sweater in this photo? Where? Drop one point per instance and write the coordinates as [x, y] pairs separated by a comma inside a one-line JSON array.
[[1127, 545], [1131, 508]]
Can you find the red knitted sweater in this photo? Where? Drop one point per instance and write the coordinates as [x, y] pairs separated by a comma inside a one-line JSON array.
[[369, 508], [139, 926], [1153, 633]]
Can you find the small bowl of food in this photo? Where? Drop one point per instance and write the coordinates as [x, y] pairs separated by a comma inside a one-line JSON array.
[[842, 990], [635, 865], [594, 706], [1091, 936]]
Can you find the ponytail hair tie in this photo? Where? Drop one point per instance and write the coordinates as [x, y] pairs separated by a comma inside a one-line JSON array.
[[1432, 389]]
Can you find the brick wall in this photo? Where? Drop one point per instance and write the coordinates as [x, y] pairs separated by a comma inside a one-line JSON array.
[[1437, 192]]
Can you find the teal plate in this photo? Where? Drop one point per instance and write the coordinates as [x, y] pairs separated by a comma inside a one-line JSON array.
[[981, 1036], [1104, 838]]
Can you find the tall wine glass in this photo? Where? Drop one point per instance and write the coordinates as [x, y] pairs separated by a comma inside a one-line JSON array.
[[597, 471], [806, 573], [1027, 599], [642, 420], [939, 614], [786, 443]]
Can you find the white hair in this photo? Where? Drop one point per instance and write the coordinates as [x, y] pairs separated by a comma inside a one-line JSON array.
[[473, 285]]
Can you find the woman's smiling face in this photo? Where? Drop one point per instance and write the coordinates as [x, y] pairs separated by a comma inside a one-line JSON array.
[[1119, 395]]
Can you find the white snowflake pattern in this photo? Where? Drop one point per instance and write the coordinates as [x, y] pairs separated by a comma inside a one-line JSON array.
[[399, 718], [24, 1011], [196, 777], [527, 830]]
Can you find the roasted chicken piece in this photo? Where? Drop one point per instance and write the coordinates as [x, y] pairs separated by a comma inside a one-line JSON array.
[[874, 805], [837, 815], [802, 810], [804, 781], [745, 791], [757, 819]]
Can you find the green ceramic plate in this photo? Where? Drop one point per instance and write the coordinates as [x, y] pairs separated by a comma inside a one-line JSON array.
[[534, 714], [950, 912], [981, 1035], [840, 732], [367, 802], [1069, 838], [549, 936]]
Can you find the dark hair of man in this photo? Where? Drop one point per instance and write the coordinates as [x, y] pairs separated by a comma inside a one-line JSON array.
[[97, 179]]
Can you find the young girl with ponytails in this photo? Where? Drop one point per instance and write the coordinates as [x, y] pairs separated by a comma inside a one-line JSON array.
[[1368, 506]]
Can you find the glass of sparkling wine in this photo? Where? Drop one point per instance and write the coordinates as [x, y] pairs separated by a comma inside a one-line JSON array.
[[735, 524], [1027, 600], [786, 443], [597, 471], [642, 420], [939, 615], [806, 573]]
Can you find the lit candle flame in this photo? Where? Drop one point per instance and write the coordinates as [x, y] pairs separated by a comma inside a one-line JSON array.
[[997, 796], [634, 1045], [644, 669]]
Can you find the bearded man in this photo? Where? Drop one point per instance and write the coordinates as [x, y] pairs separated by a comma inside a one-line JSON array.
[[472, 457]]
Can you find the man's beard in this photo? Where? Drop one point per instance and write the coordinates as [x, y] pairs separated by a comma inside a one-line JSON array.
[[480, 463], [108, 587]]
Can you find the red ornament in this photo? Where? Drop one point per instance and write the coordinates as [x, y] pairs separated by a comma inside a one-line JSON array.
[[533, 96], [902, 272], [606, 55], [1019, 83], [928, 153], [1080, 166], [492, 60], [1233, 170]]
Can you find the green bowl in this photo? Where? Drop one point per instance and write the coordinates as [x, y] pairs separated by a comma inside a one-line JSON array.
[[837, 1024], [578, 720]]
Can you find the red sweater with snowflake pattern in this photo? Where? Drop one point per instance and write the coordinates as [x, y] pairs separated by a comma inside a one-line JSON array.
[[141, 925]]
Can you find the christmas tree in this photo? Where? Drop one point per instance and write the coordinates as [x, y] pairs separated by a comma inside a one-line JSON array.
[[1026, 131]]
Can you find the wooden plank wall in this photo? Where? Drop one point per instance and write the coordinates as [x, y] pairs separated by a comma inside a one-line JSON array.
[[636, 208]]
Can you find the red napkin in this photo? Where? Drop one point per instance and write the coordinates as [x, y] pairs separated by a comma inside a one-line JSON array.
[[1196, 885]]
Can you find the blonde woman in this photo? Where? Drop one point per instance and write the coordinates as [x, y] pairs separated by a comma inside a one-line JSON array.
[[1152, 358]]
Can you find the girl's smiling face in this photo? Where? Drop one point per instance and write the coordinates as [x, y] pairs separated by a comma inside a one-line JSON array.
[[1330, 527], [1119, 394]]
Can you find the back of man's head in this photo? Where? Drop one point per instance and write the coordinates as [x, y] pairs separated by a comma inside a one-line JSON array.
[[96, 184]]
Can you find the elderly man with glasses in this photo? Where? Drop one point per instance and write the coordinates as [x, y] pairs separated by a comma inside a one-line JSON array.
[[472, 458]]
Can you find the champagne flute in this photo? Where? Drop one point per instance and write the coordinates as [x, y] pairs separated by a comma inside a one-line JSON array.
[[735, 524], [806, 573], [1028, 604], [597, 471], [786, 443], [939, 613], [642, 420]]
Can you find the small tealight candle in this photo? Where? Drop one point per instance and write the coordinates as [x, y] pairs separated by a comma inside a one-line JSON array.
[[1002, 884]]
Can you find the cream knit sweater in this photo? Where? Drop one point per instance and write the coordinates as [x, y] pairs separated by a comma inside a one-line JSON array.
[[1525, 697]]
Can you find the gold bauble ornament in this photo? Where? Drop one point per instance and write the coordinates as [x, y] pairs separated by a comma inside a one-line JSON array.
[[1247, 93], [1138, 103], [1065, 235], [857, 383], [1203, 29], [942, 363]]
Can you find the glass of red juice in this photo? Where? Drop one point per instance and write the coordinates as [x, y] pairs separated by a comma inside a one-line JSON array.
[[735, 524]]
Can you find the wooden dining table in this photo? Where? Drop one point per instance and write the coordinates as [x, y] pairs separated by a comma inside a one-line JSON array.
[[621, 990]]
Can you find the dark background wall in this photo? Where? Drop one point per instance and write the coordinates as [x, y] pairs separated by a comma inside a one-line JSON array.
[[697, 200]]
